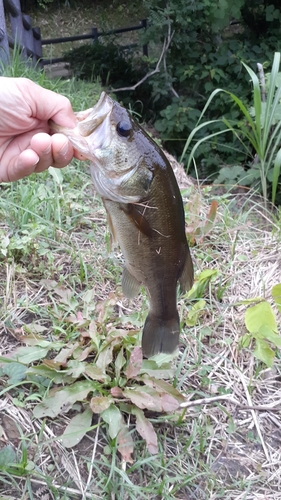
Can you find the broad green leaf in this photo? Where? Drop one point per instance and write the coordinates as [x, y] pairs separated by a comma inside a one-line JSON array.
[[135, 362], [36, 340], [98, 404], [201, 282], [96, 373], [75, 368], [105, 357], [150, 367], [144, 398], [194, 313], [148, 398], [57, 175], [125, 442], [27, 355], [164, 387], [112, 416], [146, 430], [45, 371], [77, 428], [15, 371], [266, 333], [163, 359], [276, 294], [245, 340], [66, 397], [65, 353], [207, 274], [120, 361], [258, 315], [7, 456], [264, 352]]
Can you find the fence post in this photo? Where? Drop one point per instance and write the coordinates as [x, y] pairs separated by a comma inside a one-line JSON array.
[[4, 44], [145, 46], [28, 40], [37, 45], [95, 35], [17, 28]]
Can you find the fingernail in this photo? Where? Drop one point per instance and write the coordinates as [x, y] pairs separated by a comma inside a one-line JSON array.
[[64, 150], [47, 150]]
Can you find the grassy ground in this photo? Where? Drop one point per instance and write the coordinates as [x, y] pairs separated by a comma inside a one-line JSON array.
[[60, 283]]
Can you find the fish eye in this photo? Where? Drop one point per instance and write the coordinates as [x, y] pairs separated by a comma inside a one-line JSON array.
[[124, 128]]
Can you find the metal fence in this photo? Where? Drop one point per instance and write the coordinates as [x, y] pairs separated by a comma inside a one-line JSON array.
[[28, 38]]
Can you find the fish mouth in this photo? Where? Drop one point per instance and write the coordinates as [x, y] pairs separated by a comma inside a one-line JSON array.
[[88, 122]]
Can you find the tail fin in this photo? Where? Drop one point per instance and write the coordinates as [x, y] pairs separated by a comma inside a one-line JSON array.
[[160, 335]]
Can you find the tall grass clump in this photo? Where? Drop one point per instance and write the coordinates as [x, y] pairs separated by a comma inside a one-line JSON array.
[[258, 129]]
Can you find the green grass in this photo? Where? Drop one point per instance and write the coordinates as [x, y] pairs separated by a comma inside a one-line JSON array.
[[60, 282]]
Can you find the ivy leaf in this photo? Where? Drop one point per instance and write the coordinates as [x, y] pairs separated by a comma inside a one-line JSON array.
[[146, 431], [112, 416], [135, 362], [258, 315], [264, 352], [77, 428], [52, 405]]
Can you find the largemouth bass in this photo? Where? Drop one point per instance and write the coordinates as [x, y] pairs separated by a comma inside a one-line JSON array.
[[145, 213]]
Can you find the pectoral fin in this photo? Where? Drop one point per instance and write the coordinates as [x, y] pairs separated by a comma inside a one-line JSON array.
[[130, 285], [136, 214], [187, 275], [113, 239]]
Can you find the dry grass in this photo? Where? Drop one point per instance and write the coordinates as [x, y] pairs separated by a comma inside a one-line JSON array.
[[227, 447]]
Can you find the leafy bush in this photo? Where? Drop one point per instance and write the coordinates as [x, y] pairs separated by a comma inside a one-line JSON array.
[[105, 61], [114, 66], [259, 132], [208, 42]]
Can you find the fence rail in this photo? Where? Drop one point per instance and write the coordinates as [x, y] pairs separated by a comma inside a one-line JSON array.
[[94, 35], [29, 40]]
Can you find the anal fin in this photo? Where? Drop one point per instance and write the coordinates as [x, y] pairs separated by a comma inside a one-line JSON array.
[[187, 275], [130, 285]]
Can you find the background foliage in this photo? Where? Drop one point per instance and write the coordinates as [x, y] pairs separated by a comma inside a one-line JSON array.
[[209, 43]]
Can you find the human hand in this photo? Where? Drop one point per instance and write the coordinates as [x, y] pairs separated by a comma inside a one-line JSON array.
[[26, 145]]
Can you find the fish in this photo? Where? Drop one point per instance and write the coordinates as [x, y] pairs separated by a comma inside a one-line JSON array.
[[144, 210]]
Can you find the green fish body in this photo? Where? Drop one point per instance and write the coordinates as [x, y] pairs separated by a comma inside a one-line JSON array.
[[145, 213]]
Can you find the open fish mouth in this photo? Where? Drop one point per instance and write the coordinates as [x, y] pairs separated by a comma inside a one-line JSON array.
[[91, 121]]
